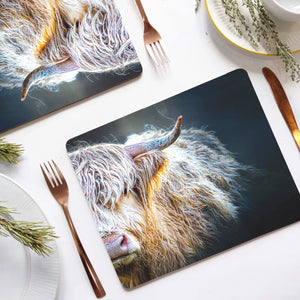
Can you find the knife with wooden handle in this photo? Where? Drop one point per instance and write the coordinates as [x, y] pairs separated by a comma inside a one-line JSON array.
[[283, 104]]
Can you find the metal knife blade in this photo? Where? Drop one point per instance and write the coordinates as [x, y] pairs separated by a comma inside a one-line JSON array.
[[283, 104]]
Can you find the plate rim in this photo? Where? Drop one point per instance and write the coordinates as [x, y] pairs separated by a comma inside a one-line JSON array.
[[27, 291], [233, 42]]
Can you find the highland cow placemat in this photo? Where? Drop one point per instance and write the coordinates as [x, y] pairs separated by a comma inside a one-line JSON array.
[[184, 179], [54, 53]]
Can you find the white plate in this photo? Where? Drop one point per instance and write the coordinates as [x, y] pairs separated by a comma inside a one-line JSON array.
[[289, 32], [24, 275]]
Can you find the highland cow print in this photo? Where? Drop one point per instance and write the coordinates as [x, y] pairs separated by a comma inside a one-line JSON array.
[[184, 179], [54, 53], [50, 41]]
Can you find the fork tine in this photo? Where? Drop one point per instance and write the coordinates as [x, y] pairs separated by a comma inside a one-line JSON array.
[[157, 53], [163, 50], [151, 53], [56, 172], [52, 174], [61, 176], [47, 179]]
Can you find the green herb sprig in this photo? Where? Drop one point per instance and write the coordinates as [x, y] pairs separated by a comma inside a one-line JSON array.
[[34, 235], [264, 30], [10, 152], [197, 5]]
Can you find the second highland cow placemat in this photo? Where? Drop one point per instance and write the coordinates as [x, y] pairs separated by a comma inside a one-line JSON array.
[[184, 179], [54, 53]]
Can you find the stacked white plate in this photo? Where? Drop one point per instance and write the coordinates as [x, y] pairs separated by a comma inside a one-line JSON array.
[[24, 275]]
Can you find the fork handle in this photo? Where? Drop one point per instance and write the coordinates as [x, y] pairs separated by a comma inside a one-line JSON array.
[[94, 280], [142, 11]]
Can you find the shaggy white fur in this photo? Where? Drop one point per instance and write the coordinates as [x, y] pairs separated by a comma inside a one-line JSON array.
[[35, 33]]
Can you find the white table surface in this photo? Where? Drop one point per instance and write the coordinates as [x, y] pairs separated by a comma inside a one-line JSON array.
[[265, 268]]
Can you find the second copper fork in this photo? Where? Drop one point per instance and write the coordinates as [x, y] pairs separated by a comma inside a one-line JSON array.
[[60, 191], [152, 39]]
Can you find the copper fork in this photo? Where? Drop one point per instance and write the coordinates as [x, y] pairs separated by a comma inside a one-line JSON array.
[[152, 39], [59, 190]]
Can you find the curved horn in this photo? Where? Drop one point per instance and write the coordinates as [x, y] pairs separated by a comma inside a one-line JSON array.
[[44, 72], [160, 143]]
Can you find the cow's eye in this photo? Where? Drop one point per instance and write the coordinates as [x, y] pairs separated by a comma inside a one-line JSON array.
[[125, 192]]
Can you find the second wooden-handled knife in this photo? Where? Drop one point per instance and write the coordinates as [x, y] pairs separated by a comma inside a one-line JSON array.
[[283, 103]]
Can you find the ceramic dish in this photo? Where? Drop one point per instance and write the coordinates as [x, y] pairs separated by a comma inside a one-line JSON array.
[[23, 274], [289, 32], [287, 10]]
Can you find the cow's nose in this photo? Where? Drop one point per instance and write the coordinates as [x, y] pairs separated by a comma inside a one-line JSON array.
[[119, 245]]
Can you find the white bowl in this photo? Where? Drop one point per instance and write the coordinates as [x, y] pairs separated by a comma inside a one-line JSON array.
[[287, 10]]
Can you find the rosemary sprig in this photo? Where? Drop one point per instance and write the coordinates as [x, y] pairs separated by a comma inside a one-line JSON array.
[[34, 235], [10, 152], [197, 5], [264, 31]]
